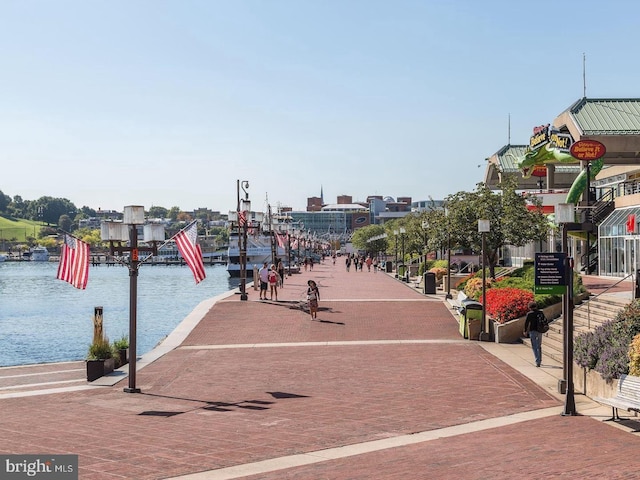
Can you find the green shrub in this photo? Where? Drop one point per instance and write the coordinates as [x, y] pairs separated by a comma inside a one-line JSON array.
[[100, 350], [121, 343], [634, 356]]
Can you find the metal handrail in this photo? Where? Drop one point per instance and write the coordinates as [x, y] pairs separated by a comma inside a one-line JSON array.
[[597, 295]]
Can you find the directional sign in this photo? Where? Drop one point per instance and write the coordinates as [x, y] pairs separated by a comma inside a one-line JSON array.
[[550, 275]]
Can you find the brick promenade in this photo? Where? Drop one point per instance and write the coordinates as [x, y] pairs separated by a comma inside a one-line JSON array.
[[380, 386]]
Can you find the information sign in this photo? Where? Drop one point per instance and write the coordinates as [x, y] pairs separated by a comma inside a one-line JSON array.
[[550, 275]]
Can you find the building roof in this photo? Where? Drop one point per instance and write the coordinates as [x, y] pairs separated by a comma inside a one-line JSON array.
[[603, 116], [343, 206]]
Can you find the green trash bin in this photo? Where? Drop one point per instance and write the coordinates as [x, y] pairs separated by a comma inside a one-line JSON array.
[[472, 312]]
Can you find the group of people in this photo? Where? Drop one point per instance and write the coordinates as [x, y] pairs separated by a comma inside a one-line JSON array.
[[359, 262], [271, 278]]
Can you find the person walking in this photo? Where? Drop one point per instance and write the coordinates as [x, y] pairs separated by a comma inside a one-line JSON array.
[[263, 274], [347, 262], [280, 270], [313, 295], [534, 317], [273, 281]]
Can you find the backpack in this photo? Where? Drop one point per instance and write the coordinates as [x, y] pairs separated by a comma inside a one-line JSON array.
[[543, 323]]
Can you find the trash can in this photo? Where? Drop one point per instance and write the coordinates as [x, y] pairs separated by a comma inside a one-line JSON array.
[[389, 267], [430, 283], [472, 312]]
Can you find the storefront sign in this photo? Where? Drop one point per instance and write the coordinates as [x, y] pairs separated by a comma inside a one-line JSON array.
[[550, 275], [588, 150], [562, 141], [540, 136]]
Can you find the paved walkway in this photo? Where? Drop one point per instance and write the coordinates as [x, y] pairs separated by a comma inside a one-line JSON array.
[[380, 386]]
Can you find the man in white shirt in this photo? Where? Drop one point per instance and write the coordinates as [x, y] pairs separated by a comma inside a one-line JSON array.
[[263, 273]]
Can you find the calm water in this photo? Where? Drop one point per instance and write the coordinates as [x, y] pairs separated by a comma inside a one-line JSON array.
[[43, 319]]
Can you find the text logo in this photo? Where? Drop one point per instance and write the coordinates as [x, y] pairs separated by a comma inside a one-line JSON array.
[[46, 467]]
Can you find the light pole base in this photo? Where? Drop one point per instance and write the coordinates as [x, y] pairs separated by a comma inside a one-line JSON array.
[[244, 296], [131, 390]]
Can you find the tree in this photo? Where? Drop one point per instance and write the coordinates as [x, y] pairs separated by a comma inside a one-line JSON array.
[[65, 223], [158, 212], [511, 222], [173, 213], [4, 202], [361, 239]]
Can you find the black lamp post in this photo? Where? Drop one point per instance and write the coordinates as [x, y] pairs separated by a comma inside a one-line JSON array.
[[244, 210], [448, 257], [127, 230], [395, 234], [403, 231], [483, 228]]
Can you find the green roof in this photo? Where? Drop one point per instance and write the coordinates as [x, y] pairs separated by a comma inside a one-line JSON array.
[[597, 116]]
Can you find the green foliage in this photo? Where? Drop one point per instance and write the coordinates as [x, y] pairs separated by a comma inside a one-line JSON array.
[[18, 230], [361, 237], [121, 343], [100, 350]]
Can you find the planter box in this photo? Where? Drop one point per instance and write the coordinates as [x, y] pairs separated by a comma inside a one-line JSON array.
[[99, 368], [591, 383]]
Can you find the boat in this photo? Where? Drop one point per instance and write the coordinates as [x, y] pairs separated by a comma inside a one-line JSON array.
[[39, 254], [2, 258], [258, 252]]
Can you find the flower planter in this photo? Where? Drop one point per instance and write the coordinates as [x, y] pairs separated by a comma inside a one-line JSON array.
[[511, 332], [99, 368]]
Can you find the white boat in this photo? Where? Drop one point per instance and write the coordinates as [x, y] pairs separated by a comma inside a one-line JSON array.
[[2, 258], [258, 252], [39, 254]]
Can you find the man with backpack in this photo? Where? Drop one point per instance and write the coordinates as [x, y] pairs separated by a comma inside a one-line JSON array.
[[535, 325]]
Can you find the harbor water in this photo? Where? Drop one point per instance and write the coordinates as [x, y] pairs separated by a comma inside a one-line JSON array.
[[43, 319]]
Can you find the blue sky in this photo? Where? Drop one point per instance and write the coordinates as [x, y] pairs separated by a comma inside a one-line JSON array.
[[112, 103]]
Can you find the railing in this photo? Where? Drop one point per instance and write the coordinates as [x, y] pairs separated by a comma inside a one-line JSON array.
[[597, 295]]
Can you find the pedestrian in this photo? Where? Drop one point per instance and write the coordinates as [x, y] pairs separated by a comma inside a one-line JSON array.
[[273, 281], [375, 264], [263, 274], [311, 263], [355, 263], [531, 329], [313, 295], [369, 262], [348, 262], [280, 270]]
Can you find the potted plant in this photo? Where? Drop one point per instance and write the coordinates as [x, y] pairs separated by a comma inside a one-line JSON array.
[[100, 360], [121, 347]]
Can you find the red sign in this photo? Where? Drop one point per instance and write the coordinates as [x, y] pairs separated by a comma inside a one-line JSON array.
[[539, 171], [588, 150], [631, 223]]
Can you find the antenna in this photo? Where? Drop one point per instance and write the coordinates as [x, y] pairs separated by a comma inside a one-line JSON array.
[[509, 131], [584, 75]]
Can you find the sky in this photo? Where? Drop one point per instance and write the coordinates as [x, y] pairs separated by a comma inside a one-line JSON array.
[[170, 103]]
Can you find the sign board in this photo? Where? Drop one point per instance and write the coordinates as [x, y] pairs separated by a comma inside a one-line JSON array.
[[588, 150], [550, 277]]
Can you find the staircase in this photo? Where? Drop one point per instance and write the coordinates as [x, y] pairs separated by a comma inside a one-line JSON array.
[[586, 316]]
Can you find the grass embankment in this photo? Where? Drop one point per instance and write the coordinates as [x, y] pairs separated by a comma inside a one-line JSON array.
[[18, 230]]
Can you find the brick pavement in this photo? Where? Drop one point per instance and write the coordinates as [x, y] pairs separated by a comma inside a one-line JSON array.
[[383, 371]]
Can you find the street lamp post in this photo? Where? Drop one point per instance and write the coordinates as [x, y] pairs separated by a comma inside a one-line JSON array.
[[483, 228], [404, 268], [446, 212], [124, 231], [395, 234], [244, 210], [425, 226], [565, 216]]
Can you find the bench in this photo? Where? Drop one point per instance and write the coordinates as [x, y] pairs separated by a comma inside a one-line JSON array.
[[457, 303], [627, 396]]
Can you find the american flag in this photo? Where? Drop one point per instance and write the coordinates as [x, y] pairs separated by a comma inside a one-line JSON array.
[[242, 218], [190, 250], [74, 262]]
